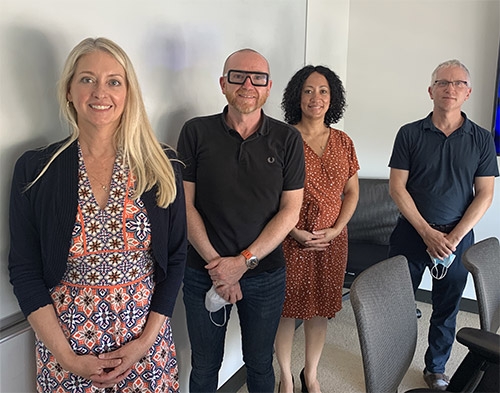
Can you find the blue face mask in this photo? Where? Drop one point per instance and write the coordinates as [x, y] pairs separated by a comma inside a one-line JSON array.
[[440, 266]]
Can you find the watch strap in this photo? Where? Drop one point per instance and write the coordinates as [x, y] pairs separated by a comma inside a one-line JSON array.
[[247, 254]]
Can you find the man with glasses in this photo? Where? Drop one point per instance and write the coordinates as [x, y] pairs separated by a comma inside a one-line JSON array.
[[442, 179], [243, 179]]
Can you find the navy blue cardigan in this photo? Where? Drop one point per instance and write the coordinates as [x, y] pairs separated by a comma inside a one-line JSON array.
[[41, 224]]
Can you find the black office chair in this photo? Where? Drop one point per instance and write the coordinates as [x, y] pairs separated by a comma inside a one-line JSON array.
[[384, 308], [370, 227], [481, 372]]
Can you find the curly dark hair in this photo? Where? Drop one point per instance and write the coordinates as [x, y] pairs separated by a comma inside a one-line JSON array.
[[293, 91]]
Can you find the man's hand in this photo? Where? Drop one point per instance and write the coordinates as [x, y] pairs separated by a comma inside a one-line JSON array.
[[230, 293], [438, 244], [226, 270]]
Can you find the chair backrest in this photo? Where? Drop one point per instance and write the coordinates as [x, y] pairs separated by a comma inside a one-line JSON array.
[[384, 308], [376, 214], [482, 260]]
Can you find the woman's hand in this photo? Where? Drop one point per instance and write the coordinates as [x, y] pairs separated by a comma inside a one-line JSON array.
[[302, 236], [322, 239], [102, 372], [315, 241], [125, 357], [130, 353]]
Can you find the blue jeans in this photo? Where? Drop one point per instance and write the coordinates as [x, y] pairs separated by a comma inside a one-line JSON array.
[[259, 312], [446, 293]]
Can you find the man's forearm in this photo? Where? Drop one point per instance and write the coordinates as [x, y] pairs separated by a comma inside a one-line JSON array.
[[479, 205], [409, 210], [197, 235]]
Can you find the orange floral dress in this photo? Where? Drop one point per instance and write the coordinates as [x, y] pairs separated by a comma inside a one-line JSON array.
[[103, 299], [314, 279]]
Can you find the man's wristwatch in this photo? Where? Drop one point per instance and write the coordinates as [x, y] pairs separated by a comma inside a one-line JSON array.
[[251, 260]]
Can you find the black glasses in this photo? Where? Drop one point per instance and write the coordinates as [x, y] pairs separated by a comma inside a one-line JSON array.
[[239, 77], [442, 83]]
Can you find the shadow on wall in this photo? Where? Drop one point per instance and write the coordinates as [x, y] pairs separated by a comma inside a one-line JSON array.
[[180, 68], [32, 63], [170, 125], [31, 57]]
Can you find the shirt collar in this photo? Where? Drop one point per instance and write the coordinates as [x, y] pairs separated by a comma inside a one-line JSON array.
[[466, 126], [264, 125]]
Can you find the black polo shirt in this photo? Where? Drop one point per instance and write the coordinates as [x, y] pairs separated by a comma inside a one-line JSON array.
[[442, 169], [239, 182]]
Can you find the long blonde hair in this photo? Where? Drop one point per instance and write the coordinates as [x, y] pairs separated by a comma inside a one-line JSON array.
[[135, 137]]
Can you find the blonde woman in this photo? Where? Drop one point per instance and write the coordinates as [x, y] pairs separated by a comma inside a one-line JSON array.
[[98, 236]]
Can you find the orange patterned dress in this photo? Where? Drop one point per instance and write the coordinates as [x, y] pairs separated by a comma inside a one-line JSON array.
[[315, 279], [103, 299]]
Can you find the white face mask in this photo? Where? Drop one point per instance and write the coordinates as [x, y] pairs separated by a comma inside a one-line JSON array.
[[213, 303], [440, 266]]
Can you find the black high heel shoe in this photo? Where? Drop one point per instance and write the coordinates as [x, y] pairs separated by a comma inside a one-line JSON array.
[[303, 382]]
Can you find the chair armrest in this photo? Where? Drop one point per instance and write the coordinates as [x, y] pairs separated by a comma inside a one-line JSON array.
[[481, 342]]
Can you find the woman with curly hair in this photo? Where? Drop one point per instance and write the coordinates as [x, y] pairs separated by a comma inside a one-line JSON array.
[[316, 249]]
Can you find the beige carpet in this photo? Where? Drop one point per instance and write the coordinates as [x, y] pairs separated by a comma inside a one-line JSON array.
[[341, 368]]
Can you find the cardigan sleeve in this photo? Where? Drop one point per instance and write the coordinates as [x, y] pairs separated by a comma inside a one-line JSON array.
[[25, 256], [41, 220], [169, 242]]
